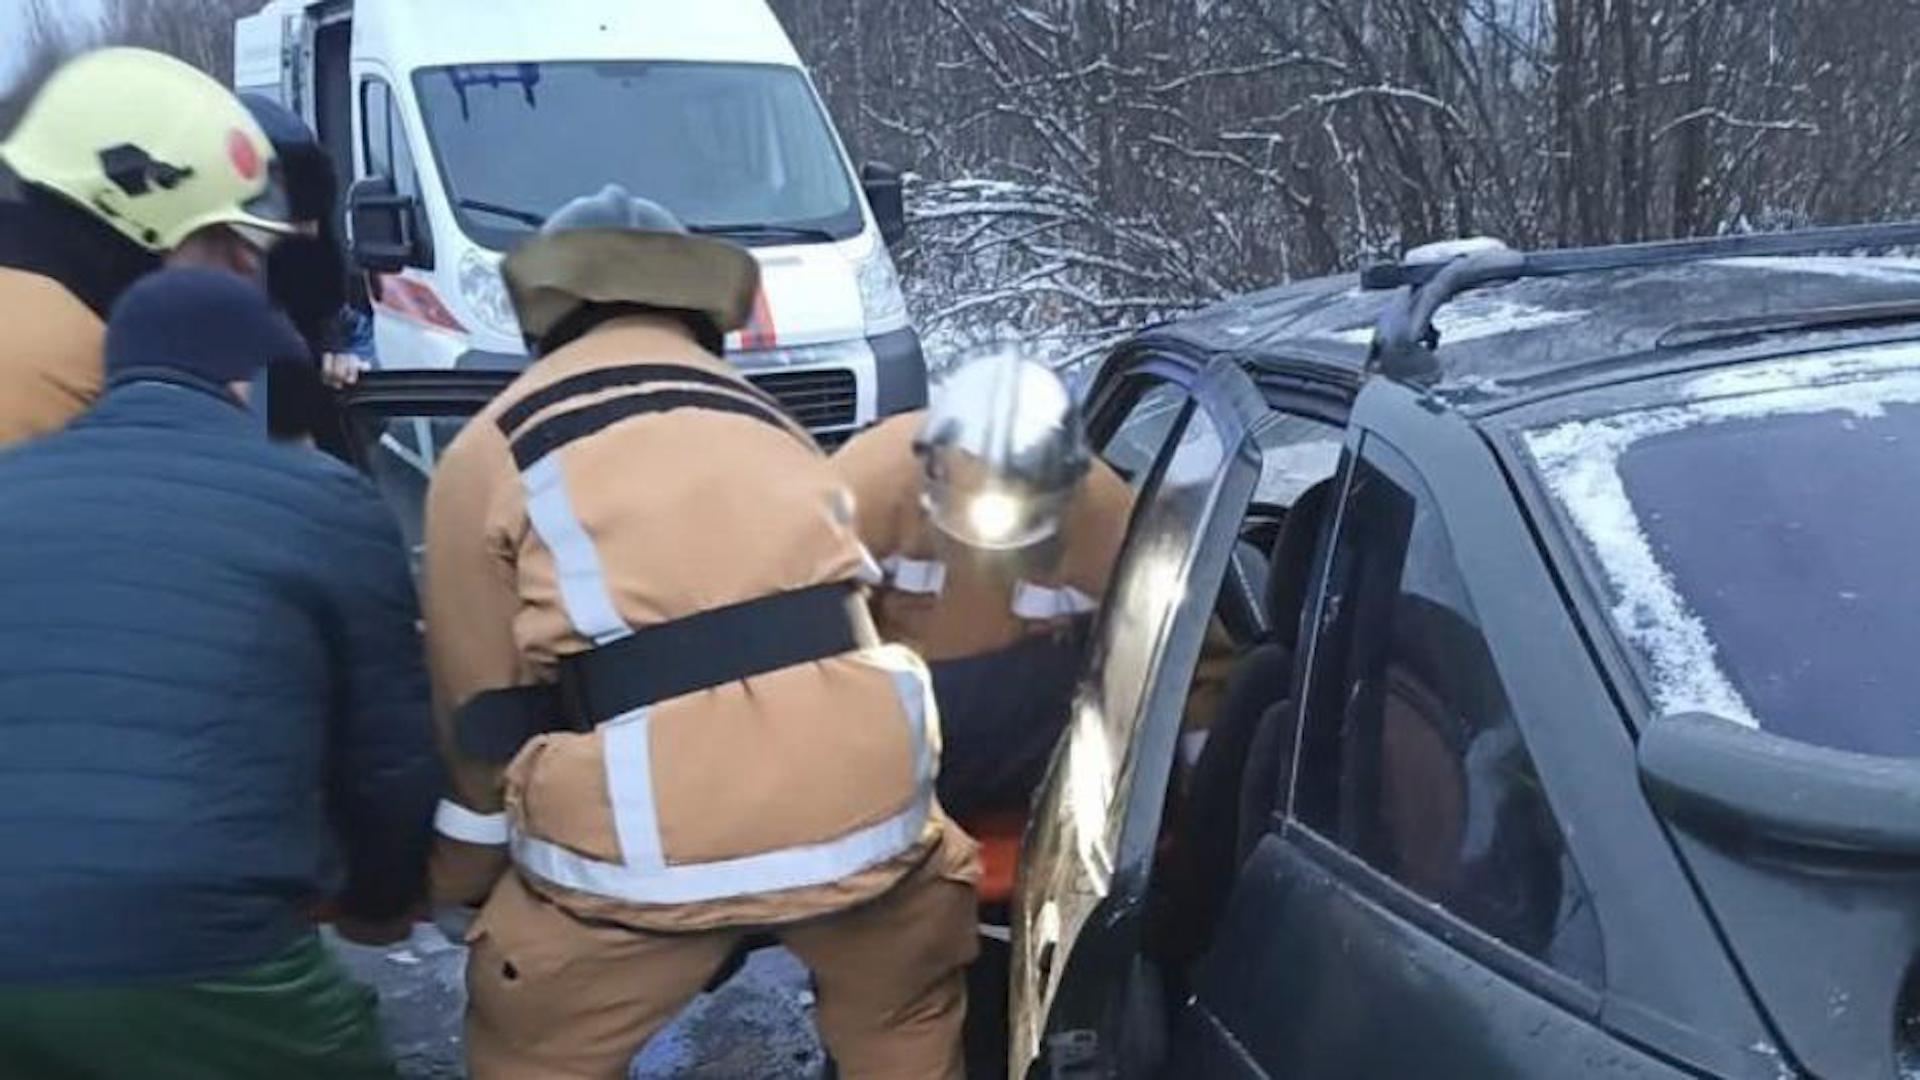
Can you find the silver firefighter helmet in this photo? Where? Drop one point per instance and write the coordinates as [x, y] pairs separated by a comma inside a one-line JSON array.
[[1003, 450]]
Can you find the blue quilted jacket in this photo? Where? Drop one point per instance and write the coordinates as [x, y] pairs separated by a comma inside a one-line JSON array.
[[213, 708]]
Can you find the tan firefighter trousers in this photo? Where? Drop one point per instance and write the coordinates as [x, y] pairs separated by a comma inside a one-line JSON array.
[[550, 996]]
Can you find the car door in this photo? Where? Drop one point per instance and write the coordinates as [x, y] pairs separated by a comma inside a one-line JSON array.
[[1089, 852], [395, 426], [1414, 908]]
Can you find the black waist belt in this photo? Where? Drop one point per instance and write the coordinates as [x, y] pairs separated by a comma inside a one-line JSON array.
[[662, 662]]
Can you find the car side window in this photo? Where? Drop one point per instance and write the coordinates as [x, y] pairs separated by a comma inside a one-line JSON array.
[[1411, 758], [1148, 424]]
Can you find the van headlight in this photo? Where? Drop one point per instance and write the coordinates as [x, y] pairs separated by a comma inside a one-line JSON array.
[[485, 293], [880, 296]]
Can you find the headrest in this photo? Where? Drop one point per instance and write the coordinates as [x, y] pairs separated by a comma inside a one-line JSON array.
[[1291, 569]]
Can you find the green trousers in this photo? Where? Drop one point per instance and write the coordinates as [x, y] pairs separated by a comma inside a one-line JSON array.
[[292, 1018]]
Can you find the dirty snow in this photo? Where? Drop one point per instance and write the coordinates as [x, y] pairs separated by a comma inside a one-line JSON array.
[[759, 1024], [1580, 461]]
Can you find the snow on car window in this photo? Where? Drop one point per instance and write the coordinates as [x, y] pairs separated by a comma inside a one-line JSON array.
[[1754, 542]]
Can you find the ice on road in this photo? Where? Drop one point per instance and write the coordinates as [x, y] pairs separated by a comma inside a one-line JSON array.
[[758, 1025]]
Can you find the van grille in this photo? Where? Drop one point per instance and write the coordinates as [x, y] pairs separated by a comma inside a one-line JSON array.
[[821, 399]]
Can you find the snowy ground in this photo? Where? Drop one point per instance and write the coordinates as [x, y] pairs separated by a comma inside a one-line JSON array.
[[757, 1025]]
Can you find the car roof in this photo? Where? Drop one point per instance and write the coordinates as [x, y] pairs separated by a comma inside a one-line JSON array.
[[1502, 342]]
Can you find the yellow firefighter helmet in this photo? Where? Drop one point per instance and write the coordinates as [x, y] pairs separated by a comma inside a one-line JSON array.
[[151, 146]]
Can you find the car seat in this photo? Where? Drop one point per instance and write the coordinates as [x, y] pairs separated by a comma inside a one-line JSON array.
[[1208, 832]]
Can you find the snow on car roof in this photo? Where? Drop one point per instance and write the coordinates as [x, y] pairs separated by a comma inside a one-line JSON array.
[[1541, 329]]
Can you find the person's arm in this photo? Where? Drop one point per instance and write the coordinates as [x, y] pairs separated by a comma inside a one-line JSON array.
[[879, 470], [471, 600], [383, 776], [1096, 529]]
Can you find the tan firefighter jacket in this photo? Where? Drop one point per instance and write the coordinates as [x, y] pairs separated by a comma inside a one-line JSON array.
[[628, 480], [946, 610], [50, 355]]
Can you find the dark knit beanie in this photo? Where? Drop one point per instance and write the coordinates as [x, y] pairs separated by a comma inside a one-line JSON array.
[[208, 323]]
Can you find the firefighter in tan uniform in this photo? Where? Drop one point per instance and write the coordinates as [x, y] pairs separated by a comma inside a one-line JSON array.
[[644, 591], [124, 159], [997, 531]]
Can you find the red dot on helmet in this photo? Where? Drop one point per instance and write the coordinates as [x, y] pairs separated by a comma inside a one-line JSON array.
[[243, 155]]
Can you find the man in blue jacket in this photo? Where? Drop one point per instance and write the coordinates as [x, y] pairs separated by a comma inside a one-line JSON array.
[[213, 716]]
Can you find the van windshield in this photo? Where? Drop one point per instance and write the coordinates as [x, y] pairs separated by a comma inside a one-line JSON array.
[[742, 149]]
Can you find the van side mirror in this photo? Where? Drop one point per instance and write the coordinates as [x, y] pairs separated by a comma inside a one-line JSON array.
[[383, 227], [887, 195]]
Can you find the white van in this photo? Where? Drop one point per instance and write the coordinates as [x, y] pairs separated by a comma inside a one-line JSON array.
[[459, 126]]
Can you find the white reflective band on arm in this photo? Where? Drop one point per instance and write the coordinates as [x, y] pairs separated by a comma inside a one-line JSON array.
[[456, 822], [644, 876], [916, 575], [870, 571], [1037, 602], [576, 564], [914, 686]]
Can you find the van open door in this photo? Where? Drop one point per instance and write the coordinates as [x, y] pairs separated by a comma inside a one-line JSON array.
[[264, 46], [1083, 1001]]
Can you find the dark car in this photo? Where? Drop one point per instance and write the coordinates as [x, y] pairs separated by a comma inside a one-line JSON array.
[[1574, 720], [1569, 727]]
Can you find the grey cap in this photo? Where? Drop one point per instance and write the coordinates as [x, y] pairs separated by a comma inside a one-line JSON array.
[[613, 208], [614, 248]]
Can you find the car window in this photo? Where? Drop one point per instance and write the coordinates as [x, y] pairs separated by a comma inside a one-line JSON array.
[[401, 451], [1754, 542], [1152, 579], [1149, 423], [387, 151], [1411, 757], [1304, 453], [1081, 833]]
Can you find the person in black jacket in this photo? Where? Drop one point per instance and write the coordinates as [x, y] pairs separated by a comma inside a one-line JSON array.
[[308, 277], [213, 716]]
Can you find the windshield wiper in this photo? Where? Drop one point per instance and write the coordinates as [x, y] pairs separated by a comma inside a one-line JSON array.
[[1781, 322], [764, 230], [525, 217]]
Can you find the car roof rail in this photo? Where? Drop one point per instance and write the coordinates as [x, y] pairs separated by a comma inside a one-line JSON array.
[[1405, 343]]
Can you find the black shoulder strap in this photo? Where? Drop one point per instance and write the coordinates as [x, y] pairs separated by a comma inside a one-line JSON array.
[[548, 436], [514, 417]]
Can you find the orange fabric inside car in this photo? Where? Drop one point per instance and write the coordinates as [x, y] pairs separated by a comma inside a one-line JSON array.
[[999, 836]]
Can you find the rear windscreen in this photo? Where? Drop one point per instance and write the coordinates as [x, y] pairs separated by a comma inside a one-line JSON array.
[[1757, 545]]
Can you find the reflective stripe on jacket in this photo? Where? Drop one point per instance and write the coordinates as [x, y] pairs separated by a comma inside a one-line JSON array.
[[948, 610], [629, 480]]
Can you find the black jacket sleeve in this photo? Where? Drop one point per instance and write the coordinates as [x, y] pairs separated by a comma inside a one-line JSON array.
[[383, 774]]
